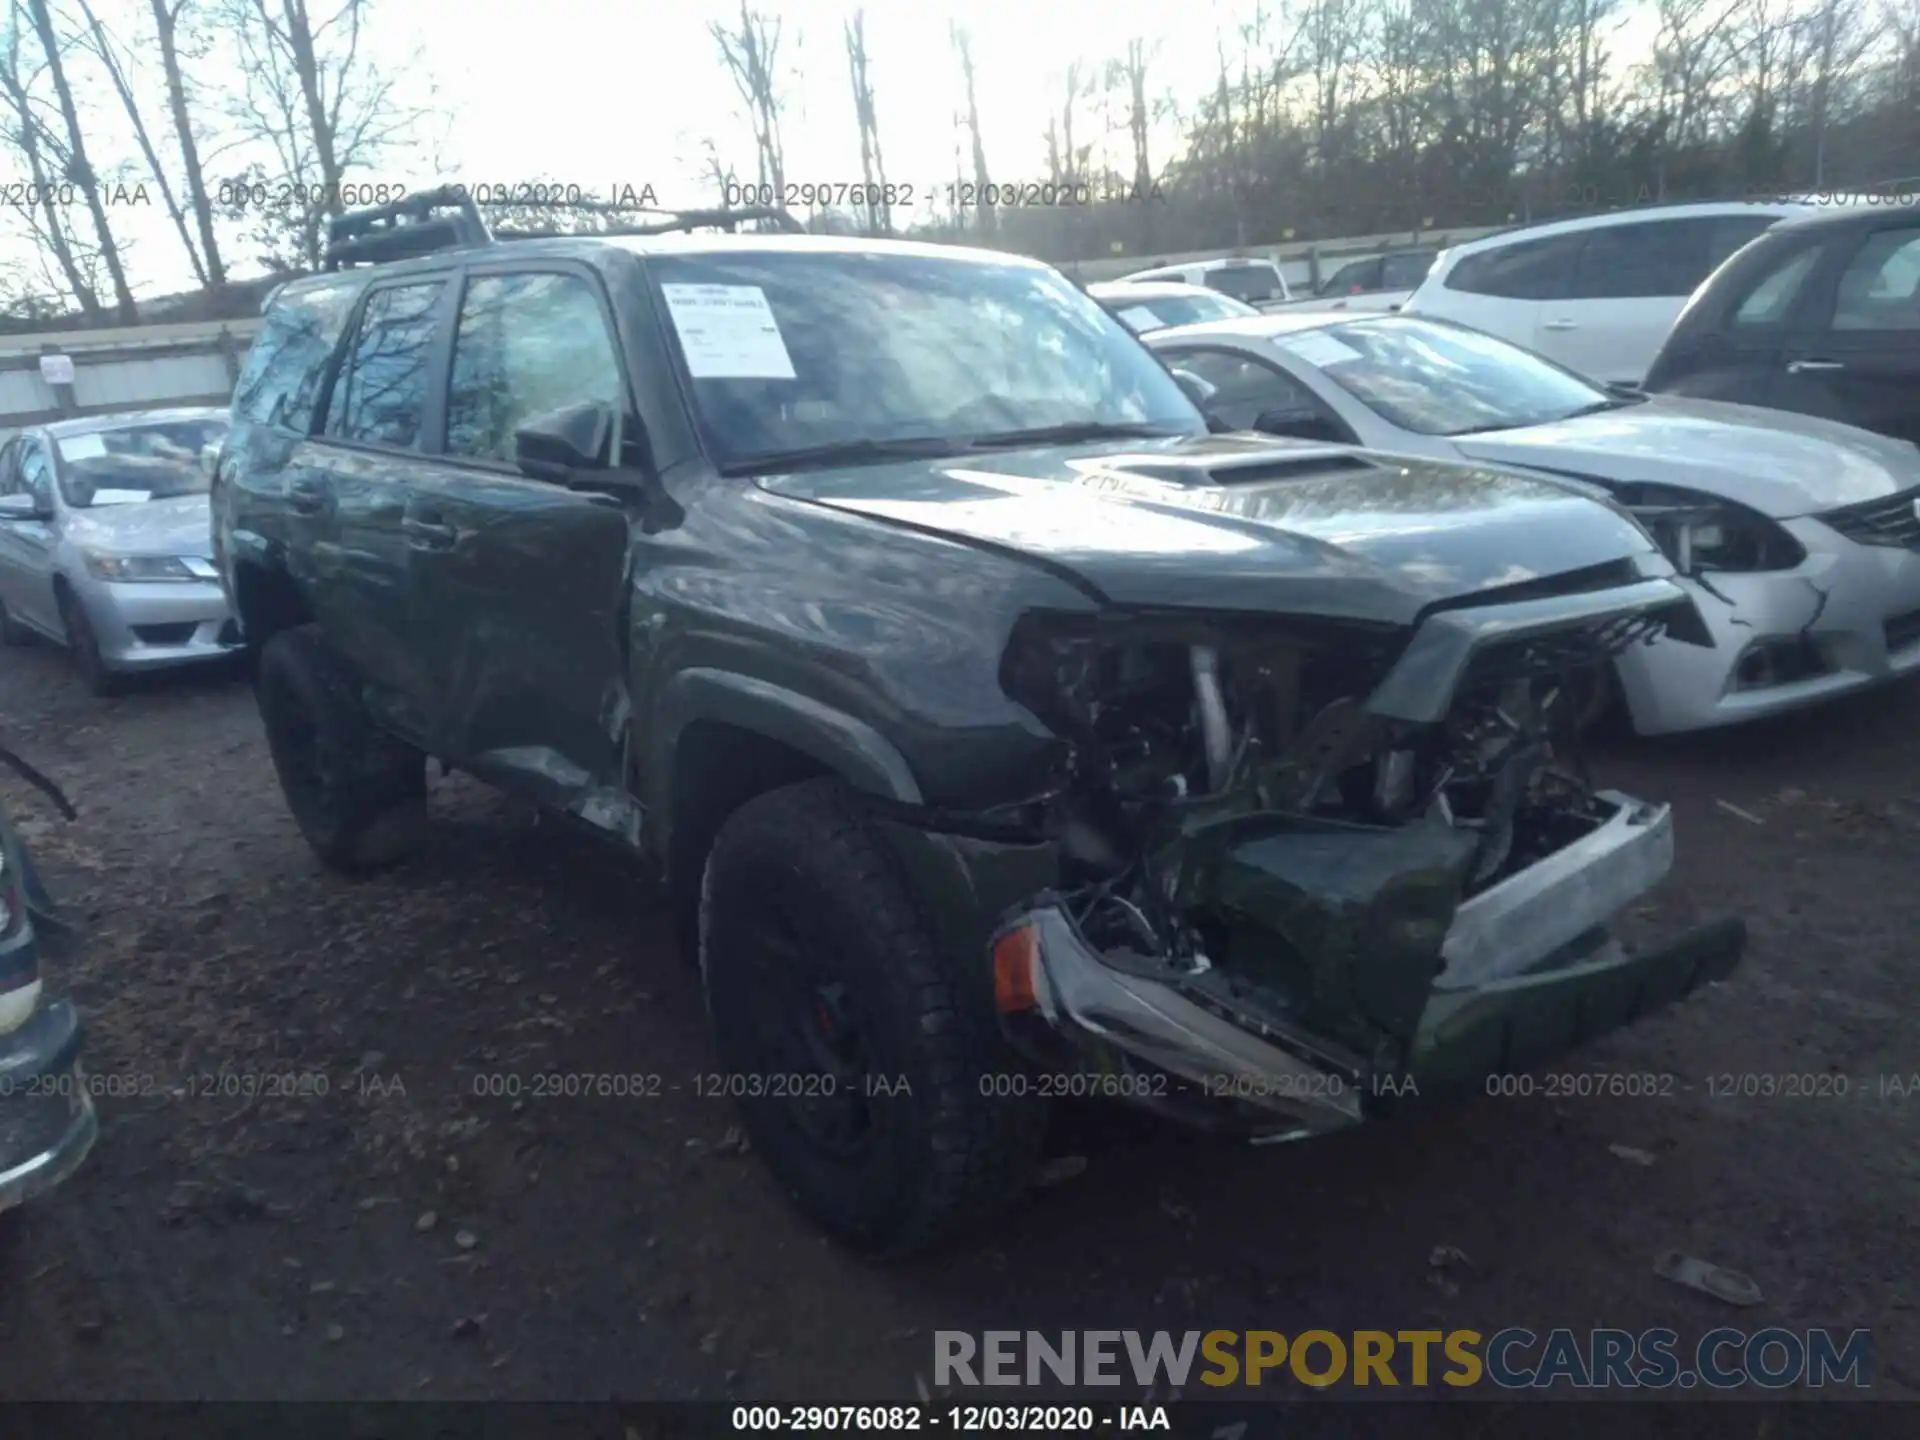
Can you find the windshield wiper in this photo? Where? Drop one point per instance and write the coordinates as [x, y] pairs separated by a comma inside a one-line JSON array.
[[847, 452], [1072, 433]]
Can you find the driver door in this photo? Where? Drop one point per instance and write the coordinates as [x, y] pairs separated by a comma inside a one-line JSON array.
[[27, 546], [519, 585]]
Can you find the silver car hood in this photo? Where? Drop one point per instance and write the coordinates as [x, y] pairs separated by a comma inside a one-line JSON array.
[[180, 526], [1779, 463]]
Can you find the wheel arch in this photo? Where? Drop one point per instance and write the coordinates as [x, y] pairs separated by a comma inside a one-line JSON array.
[[265, 601], [722, 739]]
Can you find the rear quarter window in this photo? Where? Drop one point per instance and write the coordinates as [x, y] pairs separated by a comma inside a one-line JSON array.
[[281, 381]]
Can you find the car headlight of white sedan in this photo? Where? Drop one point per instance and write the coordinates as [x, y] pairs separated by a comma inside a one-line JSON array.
[[141, 569], [1705, 533]]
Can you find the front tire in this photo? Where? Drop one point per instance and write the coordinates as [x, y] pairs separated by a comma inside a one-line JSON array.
[[84, 646], [358, 794], [844, 1035]]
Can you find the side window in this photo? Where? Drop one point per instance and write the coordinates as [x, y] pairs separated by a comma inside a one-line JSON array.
[[381, 395], [9, 454], [1245, 282], [1654, 258], [36, 473], [1243, 388], [527, 345], [280, 383], [1404, 272], [1772, 297], [1353, 279], [1880, 290], [1530, 270], [1730, 232]]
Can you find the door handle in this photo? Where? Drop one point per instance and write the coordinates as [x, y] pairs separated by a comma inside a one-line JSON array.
[[1561, 325], [1807, 367], [428, 534], [307, 497]]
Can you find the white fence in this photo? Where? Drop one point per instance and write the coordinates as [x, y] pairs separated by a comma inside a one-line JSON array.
[[132, 368]]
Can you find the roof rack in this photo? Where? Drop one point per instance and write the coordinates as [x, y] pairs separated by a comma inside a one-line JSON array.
[[448, 219], [677, 220], [406, 228]]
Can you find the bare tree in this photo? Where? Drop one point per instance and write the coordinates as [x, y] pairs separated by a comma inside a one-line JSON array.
[[79, 167], [751, 53], [44, 215], [167, 18], [962, 40], [1131, 71], [320, 103], [873, 168], [107, 52]]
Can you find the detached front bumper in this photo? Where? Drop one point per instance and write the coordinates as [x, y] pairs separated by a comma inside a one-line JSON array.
[[47, 1119], [1525, 972]]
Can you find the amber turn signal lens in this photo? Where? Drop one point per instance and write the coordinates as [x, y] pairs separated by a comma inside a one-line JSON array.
[[1014, 956]]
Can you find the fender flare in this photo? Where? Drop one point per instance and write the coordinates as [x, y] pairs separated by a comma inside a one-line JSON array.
[[848, 746]]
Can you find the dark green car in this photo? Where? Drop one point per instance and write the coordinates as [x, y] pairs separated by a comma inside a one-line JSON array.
[[1001, 732]]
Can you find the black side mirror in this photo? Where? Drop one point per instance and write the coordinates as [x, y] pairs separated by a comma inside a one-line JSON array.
[[1297, 425], [555, 445], [1216, 425]]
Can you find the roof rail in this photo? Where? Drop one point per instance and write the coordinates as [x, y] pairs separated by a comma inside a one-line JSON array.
[[677, 220], [406, 228]]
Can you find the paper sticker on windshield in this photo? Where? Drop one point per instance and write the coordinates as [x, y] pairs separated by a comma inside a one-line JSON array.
[[120, 497], [82, 447], [1317, 348], [728, 332], [1139, 317]]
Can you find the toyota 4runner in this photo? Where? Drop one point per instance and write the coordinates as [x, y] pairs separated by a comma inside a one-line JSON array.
[[992, 722]]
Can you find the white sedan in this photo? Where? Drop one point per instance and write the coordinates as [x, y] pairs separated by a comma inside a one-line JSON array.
[[1798, 537]]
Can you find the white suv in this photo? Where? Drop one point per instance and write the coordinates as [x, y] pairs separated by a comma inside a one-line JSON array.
[[1597, 294]]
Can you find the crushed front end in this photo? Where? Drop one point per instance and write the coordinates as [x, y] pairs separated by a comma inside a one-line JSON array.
[[1307, 866]]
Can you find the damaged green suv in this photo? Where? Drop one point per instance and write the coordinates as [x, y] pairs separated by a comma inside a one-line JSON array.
[[1000, 731]]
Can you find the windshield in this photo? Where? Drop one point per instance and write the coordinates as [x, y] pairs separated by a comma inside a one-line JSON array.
[[795, 351], [1443, 379], [1159, 311], [1248, 282], [157, 460]]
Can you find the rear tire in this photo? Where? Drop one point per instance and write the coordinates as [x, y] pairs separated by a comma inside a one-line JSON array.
[[84, 646], [817, 963], [358, 794]]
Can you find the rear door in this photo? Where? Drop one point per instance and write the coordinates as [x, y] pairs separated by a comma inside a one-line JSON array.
[[1501, 289], [1629, 283], [1857, 357], [519, 584], [382, 427]]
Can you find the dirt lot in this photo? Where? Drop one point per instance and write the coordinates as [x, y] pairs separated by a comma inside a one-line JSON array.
[[403, 1236]]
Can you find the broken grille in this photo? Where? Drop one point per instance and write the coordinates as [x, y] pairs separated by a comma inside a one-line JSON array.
[[1894, 520], [1557, 652]]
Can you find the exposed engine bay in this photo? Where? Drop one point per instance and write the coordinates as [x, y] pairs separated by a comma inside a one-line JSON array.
[[1234, 822]]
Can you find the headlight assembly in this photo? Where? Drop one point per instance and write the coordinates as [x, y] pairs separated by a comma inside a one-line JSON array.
[[1704, 534], [138, 569]]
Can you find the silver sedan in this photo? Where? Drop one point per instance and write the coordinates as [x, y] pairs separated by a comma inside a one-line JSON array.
[[1799, 538], [106, 543]]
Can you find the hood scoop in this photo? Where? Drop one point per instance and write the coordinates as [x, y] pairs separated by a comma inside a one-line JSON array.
[[1262, 467]]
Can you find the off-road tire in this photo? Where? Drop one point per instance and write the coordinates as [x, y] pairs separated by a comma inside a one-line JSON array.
[[12, 632], [84, 646], [945, 1156], [358, 794]]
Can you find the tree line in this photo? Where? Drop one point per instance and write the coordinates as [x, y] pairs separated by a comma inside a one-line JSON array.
[[252, 121]]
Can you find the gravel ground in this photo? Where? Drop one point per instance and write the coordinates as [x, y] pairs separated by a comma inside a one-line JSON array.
[[405, 1234]]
